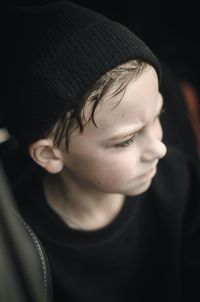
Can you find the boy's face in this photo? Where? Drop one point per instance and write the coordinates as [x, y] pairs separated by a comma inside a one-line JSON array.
[[99, 162]]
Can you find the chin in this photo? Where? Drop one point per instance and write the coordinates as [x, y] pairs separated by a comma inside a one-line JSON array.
[[143, 187]]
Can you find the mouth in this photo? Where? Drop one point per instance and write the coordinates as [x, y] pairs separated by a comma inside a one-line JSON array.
[[148, 174]]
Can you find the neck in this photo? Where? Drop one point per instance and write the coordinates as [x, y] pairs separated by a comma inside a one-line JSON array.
[[87, 208]]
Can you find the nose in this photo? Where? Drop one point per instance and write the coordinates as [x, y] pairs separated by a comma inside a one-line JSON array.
[[155, 150]]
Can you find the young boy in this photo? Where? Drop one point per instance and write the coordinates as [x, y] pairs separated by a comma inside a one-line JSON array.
[[117, 223]]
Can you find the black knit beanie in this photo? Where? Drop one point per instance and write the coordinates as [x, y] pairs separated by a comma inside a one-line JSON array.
[[53, 54]]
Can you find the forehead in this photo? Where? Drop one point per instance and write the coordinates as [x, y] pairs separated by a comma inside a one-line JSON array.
[[133, 106]]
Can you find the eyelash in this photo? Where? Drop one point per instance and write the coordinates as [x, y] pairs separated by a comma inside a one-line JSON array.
[[132, 139], [127, 143]]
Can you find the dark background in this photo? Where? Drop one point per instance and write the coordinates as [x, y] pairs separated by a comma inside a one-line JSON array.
[[170, 28]]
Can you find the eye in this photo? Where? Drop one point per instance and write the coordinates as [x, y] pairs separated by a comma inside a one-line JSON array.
[[127, 142], [133, 138]]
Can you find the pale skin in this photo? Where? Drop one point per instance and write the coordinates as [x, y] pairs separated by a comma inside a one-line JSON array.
[[89, 184]]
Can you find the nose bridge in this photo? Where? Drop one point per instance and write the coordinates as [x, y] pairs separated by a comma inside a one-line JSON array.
[[153, 149]]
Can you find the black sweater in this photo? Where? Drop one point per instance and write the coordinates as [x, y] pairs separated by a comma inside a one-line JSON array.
[[150, 251]]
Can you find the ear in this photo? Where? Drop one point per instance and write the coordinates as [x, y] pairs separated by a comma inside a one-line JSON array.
[[46, 155]]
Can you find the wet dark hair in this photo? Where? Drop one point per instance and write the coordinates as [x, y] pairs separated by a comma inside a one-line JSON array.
[[75, 118]]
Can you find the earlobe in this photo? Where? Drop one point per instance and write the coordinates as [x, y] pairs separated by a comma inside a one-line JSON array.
[[46, 155]]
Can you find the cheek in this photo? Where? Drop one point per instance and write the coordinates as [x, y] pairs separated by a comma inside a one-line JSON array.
[[105, 170], [114, 171], [119, 171]]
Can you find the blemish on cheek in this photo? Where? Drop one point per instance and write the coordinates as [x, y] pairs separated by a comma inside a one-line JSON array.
[[123, 115]]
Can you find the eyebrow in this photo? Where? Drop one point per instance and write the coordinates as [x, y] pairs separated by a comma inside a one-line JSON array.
[[131, 133]]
